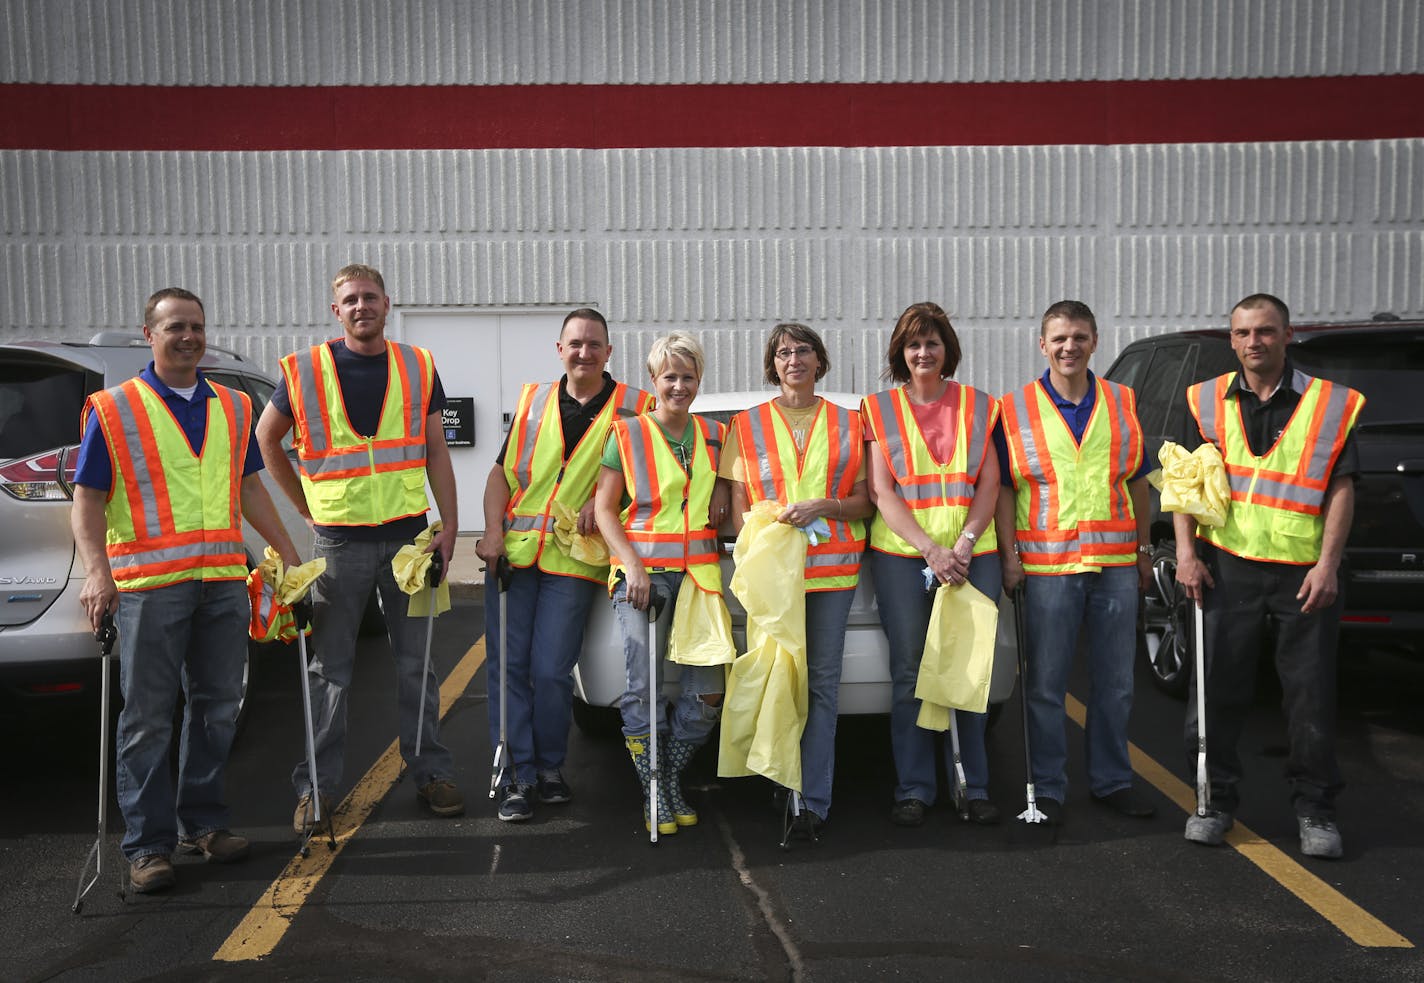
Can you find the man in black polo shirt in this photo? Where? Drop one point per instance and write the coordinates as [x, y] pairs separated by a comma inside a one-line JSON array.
[[1289, 448], [551, 455]]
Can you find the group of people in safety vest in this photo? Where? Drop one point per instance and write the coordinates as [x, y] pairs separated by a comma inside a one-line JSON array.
[[1044, 489], [930, 482]]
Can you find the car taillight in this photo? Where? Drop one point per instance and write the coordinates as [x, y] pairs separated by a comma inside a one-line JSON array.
[[47, 477]]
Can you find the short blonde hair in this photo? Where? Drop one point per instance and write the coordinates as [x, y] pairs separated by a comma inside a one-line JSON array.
[[357, 271], [675, 344]]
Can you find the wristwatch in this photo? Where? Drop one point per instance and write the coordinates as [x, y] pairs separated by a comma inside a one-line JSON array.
[[1145, 549], [969, 536]]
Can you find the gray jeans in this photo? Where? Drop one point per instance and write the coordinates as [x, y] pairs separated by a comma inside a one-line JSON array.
[[352, 568]]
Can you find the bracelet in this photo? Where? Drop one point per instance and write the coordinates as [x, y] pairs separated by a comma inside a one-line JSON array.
[[1145, 549], [840, 511]]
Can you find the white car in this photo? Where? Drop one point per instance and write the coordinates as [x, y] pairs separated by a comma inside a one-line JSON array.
[[599, 677]]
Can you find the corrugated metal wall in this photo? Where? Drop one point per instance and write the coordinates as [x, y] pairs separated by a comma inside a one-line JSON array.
[[724, 241]]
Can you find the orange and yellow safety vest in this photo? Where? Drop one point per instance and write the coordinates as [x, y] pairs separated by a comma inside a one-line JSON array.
[[776, 470], [538, 474], [351, 480], [1277, 498], [937, 493], [1073, 512], [667, 518], [173, 515]]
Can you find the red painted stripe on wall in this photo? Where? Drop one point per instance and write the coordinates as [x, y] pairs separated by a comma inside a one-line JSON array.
[[103, 117]]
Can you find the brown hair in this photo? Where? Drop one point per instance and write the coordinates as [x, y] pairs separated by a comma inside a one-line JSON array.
[[1263, 300], [357, 271], [169, 293], [585, 314], [799, 333], [925, 317], [1072, 310]]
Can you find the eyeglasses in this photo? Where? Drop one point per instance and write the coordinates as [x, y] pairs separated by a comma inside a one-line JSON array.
[[800, 351]]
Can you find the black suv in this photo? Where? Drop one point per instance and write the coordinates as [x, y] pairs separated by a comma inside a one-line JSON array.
[[1383, 572]]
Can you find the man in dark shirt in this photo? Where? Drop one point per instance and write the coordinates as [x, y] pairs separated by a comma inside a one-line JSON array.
[[550, 592], [356, 401], [1289, 448]]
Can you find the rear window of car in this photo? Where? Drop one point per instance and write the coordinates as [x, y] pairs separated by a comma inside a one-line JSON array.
[[39, 407], [1388, 371]]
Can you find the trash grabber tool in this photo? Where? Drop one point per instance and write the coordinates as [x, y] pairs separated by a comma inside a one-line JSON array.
[[961, 786], [432, 580], [1203, 781], [500, 768], [1032, 814], [105, 636], [795, 809], [655, 606], [302, 612]]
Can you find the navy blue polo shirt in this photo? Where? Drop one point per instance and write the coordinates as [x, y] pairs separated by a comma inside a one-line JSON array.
[[363, 379], [95, 468]]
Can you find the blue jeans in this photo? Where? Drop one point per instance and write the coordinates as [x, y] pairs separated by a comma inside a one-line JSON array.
[[905, 608], [547, 613], [340, 594], [188, 638], [691, 718], [826, 613], [1058, 607]]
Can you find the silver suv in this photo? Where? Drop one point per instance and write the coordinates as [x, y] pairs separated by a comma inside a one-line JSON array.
[[47, 651]]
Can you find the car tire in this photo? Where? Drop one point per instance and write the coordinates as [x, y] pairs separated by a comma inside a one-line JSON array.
[[599, 723], [1165, 642]]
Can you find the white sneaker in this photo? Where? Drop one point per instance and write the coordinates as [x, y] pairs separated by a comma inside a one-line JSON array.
[[1319, 838], [1209, 830]]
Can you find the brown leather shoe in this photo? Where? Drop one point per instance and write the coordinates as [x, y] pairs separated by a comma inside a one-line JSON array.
[[442, 797], [151, 873], [218, 846]]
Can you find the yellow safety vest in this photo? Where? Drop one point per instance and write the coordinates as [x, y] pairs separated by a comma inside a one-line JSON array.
[[1276, 499], [173, 515], [348, 479], [667, 519], [937, 493], [537, 473], [1072, 509], [775, 470]]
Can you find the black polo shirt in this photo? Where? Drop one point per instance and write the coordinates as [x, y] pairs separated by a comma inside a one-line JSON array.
[[574, 417]]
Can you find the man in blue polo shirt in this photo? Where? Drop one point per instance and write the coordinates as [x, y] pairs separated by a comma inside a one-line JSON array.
[[1073, 528], [159, 535]]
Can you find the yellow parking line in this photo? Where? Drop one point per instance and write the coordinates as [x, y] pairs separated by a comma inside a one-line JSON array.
[[268, 920], [1357, 923]]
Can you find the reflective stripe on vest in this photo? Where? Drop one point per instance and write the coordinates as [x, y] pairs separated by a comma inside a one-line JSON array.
[[1277, 498], [777, 471], [1073, 511], [173, 515], [667, 519], [537, 473], [350, 479], [938, 494]]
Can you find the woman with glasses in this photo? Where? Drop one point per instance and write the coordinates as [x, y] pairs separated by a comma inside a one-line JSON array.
[[655, 502], [934, 479], [799, 450]]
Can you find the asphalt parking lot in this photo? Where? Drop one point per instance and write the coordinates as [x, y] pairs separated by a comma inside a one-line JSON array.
[[578, 894]]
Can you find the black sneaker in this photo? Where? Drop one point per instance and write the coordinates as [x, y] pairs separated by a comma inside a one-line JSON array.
[[908, 812], [514, 804], [552, 789], [1126, 802], [1052, 810], [982, 812]]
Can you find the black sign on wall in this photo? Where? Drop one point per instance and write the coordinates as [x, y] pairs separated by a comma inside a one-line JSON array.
[[458, 419]]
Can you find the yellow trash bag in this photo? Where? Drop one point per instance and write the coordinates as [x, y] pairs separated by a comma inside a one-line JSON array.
[[770, 575], [701, 633], [410, 565], [959, 655], [272, 591], [1194, 484], [764, 711], [590, 548], [763, 715]]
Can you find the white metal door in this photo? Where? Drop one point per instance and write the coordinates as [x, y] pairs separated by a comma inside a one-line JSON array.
[[487, 356]]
